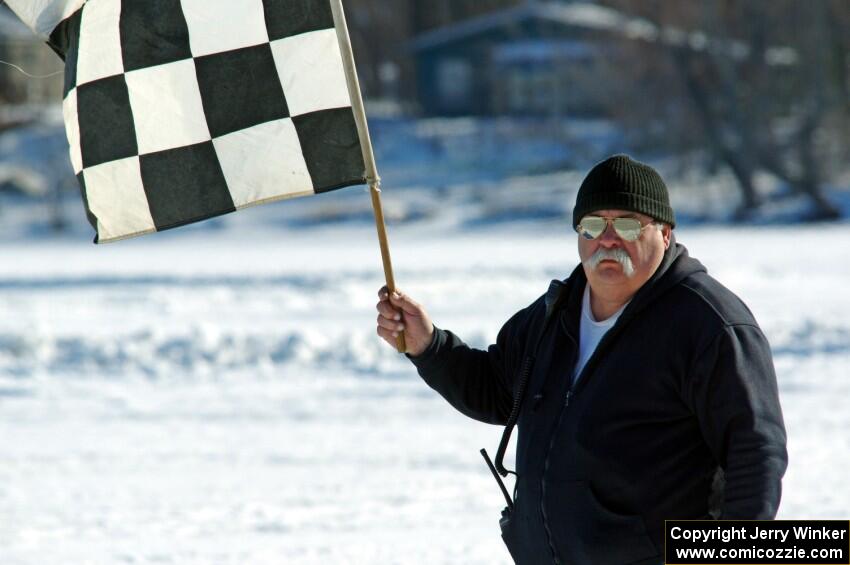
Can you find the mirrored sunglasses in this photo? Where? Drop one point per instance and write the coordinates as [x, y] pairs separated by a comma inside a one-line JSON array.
[[592, 227]]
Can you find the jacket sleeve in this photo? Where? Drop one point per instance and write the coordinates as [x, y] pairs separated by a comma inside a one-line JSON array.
[[477, 383], [735, 397]]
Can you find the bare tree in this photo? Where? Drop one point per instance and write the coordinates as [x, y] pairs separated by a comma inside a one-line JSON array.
[[764, 83]]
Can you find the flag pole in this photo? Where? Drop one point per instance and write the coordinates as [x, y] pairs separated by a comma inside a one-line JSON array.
[[366, 144]]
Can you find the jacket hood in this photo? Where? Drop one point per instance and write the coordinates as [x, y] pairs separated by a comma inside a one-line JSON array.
[[676, 266]]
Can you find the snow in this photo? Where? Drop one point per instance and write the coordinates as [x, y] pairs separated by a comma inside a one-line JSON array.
[[219, 395]]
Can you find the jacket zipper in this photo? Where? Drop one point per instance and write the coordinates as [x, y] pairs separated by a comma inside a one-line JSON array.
[[543, 479], [569, 395], [578, 383], [575, 385]]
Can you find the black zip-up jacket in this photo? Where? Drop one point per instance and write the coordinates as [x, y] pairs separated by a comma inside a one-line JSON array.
[[679, 392]]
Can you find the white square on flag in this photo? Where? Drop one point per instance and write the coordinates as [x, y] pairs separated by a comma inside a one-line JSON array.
[[116, 196], [163, 122], [99, 54], [263, 162], [72, 129], [224, 25], [315, 53]]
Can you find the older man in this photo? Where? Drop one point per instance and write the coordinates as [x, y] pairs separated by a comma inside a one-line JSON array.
[[642, 388]]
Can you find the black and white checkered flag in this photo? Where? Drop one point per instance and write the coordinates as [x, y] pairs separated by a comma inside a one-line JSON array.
[[181, 110]]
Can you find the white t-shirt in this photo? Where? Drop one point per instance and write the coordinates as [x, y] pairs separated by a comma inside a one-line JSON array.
[[591, 331]]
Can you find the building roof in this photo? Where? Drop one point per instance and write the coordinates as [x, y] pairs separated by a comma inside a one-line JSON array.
[[583, 14], [573, 14]]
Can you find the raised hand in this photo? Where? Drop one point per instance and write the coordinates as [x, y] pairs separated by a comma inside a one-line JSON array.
[[398, 313]]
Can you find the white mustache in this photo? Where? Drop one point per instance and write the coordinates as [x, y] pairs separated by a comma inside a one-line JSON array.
[[619, 255]]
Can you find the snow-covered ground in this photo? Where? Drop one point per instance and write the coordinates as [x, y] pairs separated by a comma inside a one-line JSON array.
[[218, 395]]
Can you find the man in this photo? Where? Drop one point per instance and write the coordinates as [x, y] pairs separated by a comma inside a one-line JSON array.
[[649, 391]]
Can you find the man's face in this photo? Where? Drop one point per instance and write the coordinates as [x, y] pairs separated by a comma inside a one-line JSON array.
[[614, 265]]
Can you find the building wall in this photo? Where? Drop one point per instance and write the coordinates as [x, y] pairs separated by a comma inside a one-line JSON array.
[[455, 81], [530, 68]]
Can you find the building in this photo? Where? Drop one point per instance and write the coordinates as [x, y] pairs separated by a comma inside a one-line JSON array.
[[532, 58]]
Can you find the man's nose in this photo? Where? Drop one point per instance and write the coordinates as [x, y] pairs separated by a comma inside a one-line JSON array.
[[609, 237]]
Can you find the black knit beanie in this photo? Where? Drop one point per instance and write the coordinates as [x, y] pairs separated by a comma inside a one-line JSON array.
[[621, 183]]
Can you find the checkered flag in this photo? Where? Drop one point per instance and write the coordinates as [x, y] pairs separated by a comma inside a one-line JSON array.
[[181, 110]]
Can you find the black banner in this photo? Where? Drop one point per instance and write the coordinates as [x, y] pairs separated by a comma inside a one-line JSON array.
[[761, 542]]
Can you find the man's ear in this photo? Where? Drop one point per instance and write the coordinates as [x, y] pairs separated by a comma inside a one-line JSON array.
[[666, 233]]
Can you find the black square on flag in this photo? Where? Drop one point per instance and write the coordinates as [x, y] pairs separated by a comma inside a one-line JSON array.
[[331, 148], [240, 89], [184, 185], [107, 130], [65, 40], [153, 32], [285, 18]]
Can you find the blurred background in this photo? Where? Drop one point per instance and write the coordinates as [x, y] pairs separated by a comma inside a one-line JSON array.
[[744, 104], [217, 393]]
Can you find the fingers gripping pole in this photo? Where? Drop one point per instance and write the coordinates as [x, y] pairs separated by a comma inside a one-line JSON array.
[[366, 143]]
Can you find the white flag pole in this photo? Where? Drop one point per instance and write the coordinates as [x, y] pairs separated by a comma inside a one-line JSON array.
[[366, 144]]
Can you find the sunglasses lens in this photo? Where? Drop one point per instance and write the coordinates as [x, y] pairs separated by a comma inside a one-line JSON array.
[[627, 228], [592, 227]]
